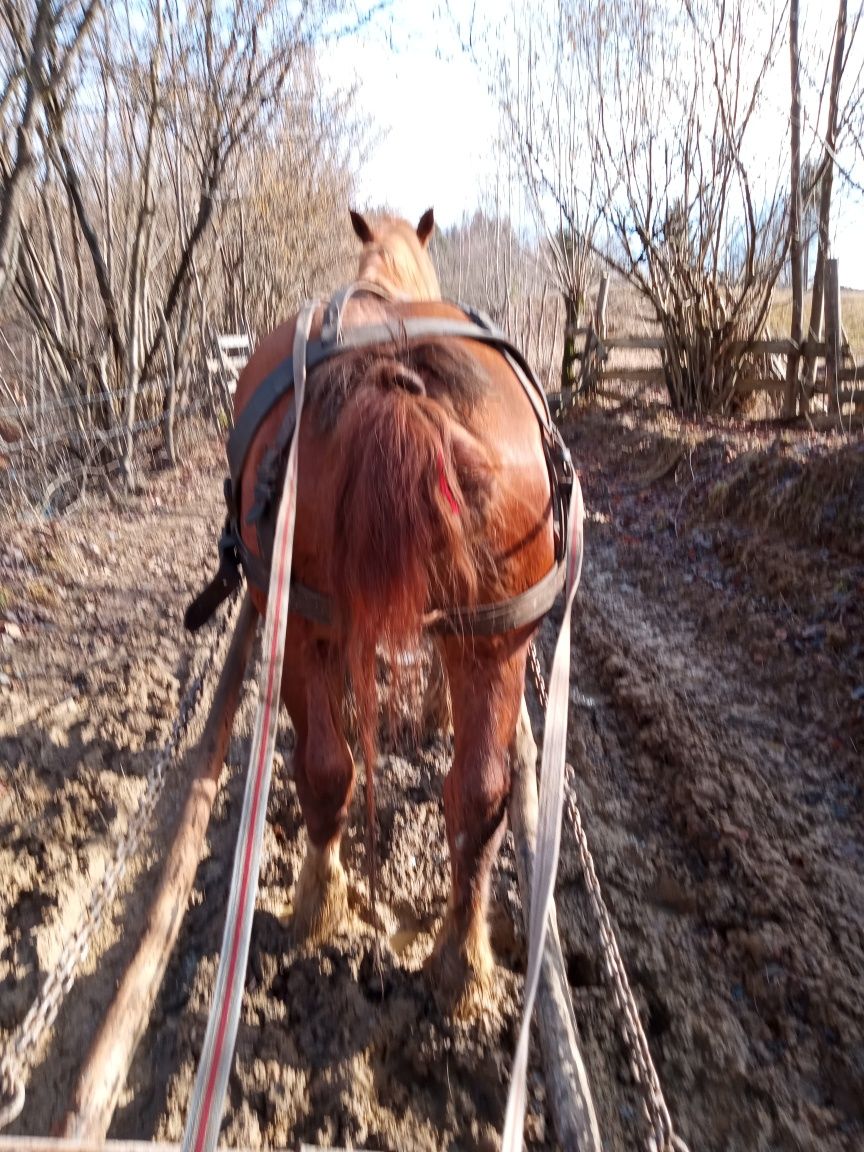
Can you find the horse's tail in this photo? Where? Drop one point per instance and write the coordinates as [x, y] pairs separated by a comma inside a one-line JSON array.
[[410, 489]]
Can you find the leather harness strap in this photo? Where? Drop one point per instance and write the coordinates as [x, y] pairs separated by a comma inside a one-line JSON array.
[[507, 615], [482, 620]]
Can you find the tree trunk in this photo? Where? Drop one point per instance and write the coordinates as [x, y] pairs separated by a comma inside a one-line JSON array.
[[790, 396], [815, 329], [15, 185], [169, 403], [568, 360]]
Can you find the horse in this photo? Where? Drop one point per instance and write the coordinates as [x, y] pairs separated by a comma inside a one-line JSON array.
[[425, 499]]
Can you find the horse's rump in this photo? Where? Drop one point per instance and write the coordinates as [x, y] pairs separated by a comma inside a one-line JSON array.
[[413, 506], [449, 373]]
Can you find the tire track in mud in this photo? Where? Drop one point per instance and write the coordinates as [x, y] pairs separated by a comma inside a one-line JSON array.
[[104, 638], [728, 842]]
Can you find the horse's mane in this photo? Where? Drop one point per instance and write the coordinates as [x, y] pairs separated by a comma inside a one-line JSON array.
[[396, 259]]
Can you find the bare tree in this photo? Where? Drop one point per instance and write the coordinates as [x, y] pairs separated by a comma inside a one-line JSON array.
[[795, 210], [546, 104], [174, 93], [283, 230], [479, 259], [689, 222], [40, 42]]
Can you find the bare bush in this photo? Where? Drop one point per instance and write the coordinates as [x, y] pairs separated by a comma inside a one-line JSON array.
[[283, 231], [484, 263], [540, 78]]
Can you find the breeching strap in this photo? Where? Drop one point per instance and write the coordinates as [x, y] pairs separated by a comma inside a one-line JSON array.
[[205, 1114], [550, 810]]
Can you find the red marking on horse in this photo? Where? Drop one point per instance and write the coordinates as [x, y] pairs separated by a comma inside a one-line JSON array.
[[445, 486]]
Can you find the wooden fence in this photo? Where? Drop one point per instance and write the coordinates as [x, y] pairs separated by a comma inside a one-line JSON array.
[[50, 443], [839, 379]]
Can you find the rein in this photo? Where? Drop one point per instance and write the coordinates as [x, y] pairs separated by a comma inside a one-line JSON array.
[[205, 1113], [549, 814]]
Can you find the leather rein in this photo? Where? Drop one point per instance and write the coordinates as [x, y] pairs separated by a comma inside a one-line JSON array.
[[235, 557]]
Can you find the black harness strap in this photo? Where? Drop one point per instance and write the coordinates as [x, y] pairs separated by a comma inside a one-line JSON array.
[[481, 620]]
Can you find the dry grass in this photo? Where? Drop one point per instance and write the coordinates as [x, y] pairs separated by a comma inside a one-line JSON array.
[[852, 311], [809, 493]]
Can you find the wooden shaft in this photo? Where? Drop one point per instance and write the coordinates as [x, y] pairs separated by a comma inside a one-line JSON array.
[[567, 1086], [600, 308], [104, 1073], [57, 1144]]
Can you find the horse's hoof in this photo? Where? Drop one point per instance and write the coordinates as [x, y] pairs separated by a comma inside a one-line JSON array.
[[321, 897], [462, 969]]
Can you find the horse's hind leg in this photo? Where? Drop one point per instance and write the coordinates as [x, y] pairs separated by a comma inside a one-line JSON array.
[[486, 681], [324, 777]]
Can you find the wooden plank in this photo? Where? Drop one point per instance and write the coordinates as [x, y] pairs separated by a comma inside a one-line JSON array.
[[780, 346], [643, 343], [636, 375], [104, 1073]]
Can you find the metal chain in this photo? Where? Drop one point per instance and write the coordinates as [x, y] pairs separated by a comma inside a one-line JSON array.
[[537, 675], [654, 1108], [18, 1055]]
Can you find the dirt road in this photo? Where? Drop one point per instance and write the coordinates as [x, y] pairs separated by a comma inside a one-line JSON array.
[[717, 744]]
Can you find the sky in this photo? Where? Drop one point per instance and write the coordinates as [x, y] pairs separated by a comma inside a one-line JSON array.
[[431, 107], [438, 123]]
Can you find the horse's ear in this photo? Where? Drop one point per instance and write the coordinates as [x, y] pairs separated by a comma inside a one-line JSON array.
[[361, 227], [424, 228]]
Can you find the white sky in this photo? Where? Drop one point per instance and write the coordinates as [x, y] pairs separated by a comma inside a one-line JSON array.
[[439, 123], [431, 106]]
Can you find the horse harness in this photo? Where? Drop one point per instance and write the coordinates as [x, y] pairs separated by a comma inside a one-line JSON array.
[[235, 558]]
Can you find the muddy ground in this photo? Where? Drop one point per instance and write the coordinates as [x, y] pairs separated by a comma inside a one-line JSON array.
[[717, 743]]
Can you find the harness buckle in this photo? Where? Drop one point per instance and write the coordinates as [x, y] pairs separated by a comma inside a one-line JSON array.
[[229, 551]]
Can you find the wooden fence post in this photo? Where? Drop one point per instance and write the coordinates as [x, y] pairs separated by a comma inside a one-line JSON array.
[[833, 332], [594, 351]]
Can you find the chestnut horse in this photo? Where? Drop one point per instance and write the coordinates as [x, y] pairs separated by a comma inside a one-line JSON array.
[[423, 492]]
